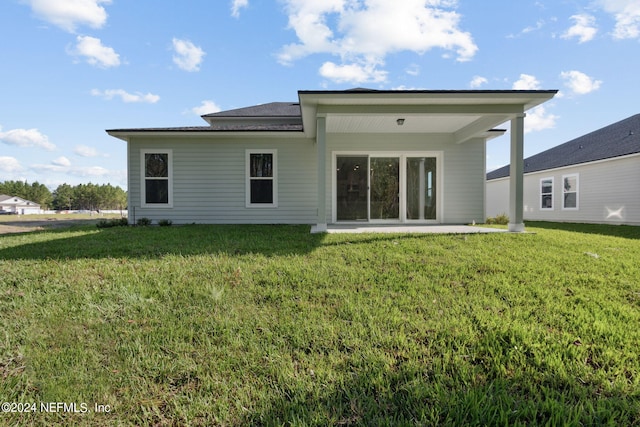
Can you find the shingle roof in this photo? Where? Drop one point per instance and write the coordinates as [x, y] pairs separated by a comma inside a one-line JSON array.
[[272, 109], [618, 139], [287, 116]]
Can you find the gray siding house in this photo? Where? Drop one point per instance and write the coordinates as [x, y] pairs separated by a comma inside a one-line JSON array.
[[332, 157], [594, 178]]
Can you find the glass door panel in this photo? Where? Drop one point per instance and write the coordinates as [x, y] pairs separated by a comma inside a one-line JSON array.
[[352, 188], [421, 188], [384, 175]]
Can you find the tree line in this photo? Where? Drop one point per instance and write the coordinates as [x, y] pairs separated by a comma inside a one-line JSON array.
[[67, 197]]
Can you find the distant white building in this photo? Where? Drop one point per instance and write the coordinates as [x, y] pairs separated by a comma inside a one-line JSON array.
[[17, 205], [594, 178]]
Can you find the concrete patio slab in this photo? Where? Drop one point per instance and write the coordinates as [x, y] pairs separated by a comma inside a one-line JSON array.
[[436, 229]]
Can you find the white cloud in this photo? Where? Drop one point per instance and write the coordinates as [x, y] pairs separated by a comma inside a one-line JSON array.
[[403, 87], [95, 52], [413, 70], [61, 161], [237, 5], [478, 81], [26, 138], [530, 29], [352, 73], [526, 82], [579, 83], [583, 28], [188, 56], [89, 171], [207, 107], [126, 96], [69, 14], [539, 119], [363, 33], [9, 165], [80, 171], [86, 151], [536, 27], [627, 16]]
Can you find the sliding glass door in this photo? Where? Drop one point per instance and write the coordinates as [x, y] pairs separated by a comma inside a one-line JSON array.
[[384, 201], [421, 188], [386, 188], [352, 186]]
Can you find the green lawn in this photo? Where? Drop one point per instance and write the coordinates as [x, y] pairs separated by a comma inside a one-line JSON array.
[[270, 325]]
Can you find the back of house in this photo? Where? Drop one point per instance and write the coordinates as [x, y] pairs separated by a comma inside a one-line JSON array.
[[332, 157]]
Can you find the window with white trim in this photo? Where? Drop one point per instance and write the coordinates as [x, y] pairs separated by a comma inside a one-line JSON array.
[[546, 194], [262, 178], [157, 171], [570, 191]]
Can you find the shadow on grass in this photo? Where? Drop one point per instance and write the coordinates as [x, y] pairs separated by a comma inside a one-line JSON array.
[[625, 231], [154, 242], [418, 399]]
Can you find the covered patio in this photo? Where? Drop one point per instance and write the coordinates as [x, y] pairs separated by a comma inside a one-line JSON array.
[[458, 117]]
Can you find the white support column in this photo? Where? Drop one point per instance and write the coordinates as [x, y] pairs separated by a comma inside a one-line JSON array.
[[516, 180], [422, 190], [321, 148]]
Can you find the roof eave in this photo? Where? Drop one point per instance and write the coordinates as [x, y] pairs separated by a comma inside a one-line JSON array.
[[126, 134]]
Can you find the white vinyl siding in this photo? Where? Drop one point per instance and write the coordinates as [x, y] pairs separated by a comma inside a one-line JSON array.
[[607, 192], [498, 197], [209, 176], [209, 181]]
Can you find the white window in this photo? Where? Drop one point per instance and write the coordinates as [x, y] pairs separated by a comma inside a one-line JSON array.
[[262, 179], [546, 194], [157, 178], [570, 191]]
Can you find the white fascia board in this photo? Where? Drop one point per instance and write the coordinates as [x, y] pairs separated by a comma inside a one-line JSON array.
[[126, 136]]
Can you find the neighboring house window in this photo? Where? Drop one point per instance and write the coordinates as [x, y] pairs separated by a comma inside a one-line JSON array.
[[157, 171], [546, 194], [262, 178], [570, 191]]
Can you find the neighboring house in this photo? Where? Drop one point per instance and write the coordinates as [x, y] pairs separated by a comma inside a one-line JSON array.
[[17, 205], [355, 156], [593, 178]]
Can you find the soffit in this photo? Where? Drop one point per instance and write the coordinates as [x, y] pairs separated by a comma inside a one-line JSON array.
[[388, 123]]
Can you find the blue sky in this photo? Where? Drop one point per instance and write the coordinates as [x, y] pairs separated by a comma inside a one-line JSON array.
[[72, 68]]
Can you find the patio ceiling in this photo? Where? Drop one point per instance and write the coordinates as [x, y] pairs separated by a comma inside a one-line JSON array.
[[388, 123]]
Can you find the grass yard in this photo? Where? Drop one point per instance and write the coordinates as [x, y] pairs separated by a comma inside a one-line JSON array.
[[270, 325]]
